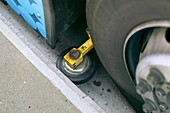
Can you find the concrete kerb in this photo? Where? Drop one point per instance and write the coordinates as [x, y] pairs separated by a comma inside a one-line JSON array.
[[84, 103]]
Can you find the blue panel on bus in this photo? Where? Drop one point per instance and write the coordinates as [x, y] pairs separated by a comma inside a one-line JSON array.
[[32, 11]]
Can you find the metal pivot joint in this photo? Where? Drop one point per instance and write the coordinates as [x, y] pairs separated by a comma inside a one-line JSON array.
[[76, 64], [75, 57]]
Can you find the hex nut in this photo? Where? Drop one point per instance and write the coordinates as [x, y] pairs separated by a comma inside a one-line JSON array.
[[160, 92], [155, 77], [142, 87], [149, 107], [163, 107], [74, 54]]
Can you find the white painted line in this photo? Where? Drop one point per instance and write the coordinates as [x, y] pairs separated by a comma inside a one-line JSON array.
[[76, 96]]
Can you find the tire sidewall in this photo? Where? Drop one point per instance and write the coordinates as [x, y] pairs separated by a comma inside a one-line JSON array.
[[105, 24]]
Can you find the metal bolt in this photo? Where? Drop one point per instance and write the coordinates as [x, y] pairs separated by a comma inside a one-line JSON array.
[[160, 92], [155, 77], [142, 87], [163, 107], [74, 54], [149, 107]]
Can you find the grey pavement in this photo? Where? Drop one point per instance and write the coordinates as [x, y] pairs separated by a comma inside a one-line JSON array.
[[23, 89]]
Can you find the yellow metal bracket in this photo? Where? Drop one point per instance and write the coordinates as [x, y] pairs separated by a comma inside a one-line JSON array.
[[74, 57]]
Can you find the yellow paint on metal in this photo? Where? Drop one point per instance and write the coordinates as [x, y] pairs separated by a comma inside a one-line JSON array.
[[73, 63], [83, 49], [86, 47]]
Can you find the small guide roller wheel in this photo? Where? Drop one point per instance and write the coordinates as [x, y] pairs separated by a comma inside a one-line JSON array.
[[81, 74]]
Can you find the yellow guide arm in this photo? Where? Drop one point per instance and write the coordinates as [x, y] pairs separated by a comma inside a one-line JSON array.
[[74, 57]]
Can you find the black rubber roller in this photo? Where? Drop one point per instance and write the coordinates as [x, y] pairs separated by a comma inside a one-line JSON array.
[[81, 74]]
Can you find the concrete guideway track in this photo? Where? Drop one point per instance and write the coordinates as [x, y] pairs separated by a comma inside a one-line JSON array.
[[23, 89], [75, 95], [100, 88]]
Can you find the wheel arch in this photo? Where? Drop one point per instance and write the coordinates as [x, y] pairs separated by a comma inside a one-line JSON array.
[[59, 16]]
